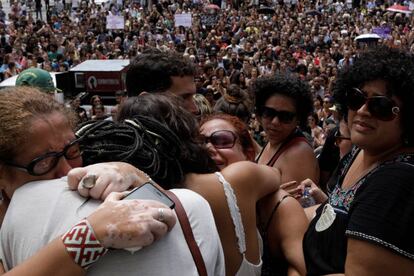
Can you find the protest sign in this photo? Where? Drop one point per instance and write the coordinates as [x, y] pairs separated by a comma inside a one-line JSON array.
[[183, 19], [115, 22]]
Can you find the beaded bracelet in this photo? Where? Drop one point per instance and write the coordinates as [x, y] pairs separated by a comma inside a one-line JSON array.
[[81, 244]]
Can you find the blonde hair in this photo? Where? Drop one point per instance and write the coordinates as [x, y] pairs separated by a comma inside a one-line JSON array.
[[19, 106], [203, 105]]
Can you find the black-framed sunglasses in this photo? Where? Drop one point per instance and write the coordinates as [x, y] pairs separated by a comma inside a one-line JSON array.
[[381, 107], [285, 117], [45, 163], [222, 139], [339, 137]]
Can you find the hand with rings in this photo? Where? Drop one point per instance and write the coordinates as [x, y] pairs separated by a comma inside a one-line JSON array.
[[161, 217], [130, 223], [99, 180], [89, 181]]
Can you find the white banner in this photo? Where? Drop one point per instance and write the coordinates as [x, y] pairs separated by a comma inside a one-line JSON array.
[[183, 19], [115, 22]]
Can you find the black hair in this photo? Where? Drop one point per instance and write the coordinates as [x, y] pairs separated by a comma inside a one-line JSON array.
[[142, 142], [152, 71], [395, 67], [169, 113], [288, 86]]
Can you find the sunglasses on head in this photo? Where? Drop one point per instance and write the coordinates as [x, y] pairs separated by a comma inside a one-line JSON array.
[[380, 107], [45, 163], [222, 139], [285, 117]]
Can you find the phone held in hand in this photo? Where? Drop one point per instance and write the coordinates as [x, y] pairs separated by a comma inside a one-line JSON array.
[[150, 191]]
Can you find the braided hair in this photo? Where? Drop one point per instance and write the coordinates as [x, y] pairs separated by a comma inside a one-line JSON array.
[[142, 142], [169, 112]]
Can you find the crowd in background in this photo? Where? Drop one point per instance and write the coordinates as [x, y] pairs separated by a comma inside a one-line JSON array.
[[231, 43], [299, 80]]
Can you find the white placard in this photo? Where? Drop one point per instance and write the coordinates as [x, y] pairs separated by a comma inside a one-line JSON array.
[[184, 19], [411, 6], [115, 22]]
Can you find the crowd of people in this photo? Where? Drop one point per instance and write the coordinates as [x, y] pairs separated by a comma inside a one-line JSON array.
[[287, 141], [231, 43]]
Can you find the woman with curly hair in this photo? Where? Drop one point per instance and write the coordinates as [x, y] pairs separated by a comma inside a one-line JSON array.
[[365, 225], [283, 104]]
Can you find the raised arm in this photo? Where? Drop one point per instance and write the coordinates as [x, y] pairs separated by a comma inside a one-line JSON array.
[[251, 178]]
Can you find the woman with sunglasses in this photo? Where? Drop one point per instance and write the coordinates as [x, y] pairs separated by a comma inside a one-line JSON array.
[[365, 226], [38, 143], [281, 219], [232, 192], [283, 104], [168, 135]]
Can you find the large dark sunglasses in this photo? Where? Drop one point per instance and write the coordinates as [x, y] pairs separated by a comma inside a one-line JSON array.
[[222, 139], [45, 163], [380, 107], [285, 117]]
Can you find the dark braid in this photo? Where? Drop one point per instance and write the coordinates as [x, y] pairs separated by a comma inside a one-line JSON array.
[[143, 142]]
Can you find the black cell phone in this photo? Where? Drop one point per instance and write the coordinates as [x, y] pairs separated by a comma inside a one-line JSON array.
[[150, 191]]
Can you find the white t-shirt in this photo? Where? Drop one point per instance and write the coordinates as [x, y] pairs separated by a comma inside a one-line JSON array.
[[43, 210]]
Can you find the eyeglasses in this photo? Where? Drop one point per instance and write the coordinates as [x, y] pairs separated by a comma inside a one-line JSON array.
[[285, 117], [45, 163], [338, 137], [380, 107], [222, 139]]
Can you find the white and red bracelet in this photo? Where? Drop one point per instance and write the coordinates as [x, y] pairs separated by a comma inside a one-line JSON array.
[[81, 244]]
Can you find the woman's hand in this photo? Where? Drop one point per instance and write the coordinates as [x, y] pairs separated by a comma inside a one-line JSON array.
[[130, 223], [314, 191], [292, 188], [109, 177], [297, 190]]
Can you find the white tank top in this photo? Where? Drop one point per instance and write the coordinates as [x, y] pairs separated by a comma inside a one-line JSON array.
[[246, 268]]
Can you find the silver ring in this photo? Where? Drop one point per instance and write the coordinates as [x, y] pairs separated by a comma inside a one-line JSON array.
[[161, 216], [89, 181]]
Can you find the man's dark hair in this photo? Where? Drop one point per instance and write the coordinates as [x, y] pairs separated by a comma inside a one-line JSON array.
[[152, 71], [288, 86]]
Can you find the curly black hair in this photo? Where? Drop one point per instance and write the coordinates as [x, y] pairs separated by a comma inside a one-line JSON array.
[[288, 86], [152, 70], [395, 67]]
